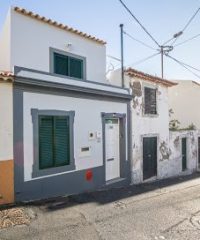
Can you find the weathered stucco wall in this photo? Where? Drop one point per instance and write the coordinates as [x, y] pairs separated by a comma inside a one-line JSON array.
[[176, 152], [147, 126], [169, 149]]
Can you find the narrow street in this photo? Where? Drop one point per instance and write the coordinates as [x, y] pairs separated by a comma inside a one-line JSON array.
[[168, 209]]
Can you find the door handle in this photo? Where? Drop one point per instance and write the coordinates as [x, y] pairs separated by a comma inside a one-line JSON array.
[[110, 159]]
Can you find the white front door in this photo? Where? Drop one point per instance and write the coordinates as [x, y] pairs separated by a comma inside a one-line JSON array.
[[112, 148]]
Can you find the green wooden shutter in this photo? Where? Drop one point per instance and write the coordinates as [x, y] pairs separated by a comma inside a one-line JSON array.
[[61, 140], [150, 101], [45, 142], [61, 64], [76, 67]]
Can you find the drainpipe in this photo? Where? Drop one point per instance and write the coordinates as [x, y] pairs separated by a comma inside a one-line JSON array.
[[122, 53], [129, 145]]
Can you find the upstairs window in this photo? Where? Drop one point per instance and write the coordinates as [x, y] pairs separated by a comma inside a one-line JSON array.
[[68, 65], [150, 106]]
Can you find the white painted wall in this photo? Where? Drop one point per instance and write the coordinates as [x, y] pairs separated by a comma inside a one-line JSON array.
[[6, 121], [5, 38], [183, 100], [84, 123], [31, 40]]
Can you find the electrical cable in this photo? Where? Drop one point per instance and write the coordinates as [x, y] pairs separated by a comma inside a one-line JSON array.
[[168, 41], [196, 69], [139, 41], [186, 26], [129, 11], [189, 39], [116, 59], [145, 59], [184, 65]]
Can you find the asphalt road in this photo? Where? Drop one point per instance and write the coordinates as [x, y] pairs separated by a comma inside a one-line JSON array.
[[168, 209]]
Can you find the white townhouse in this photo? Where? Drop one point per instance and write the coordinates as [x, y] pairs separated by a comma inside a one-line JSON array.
[[64, 127]]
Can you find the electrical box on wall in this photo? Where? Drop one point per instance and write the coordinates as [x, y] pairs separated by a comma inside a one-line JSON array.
[[85, 151]]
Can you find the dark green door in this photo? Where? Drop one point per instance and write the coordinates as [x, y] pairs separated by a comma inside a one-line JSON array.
[[149, 157], [184, 154]]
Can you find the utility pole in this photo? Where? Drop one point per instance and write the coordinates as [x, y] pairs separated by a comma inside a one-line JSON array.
[[164, 50], [162, 65], [122, 53]]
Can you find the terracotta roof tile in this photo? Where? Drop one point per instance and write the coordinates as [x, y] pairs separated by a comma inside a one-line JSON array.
[[6, 76], [138, 74], [56, 24]]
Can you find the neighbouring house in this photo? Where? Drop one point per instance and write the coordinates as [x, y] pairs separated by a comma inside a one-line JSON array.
[[185, 151], [185, 120], [182, 101], [64, 128], [157, 153], [6, 138]]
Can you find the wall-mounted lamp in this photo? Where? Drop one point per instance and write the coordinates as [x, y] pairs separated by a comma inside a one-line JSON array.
[[68, 45]]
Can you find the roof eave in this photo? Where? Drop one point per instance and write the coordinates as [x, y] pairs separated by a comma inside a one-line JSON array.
[[147, 77], [56, 24]]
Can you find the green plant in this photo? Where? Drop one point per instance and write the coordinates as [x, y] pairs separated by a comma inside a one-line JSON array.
[[174, 125]]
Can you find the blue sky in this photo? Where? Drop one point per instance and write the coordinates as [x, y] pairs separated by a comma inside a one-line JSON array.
[[101, 18]]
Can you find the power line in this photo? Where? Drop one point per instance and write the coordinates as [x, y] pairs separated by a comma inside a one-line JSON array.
[[139, 41], [196, 36], [186, 26], [145, 59], [162, 47], [183, 65], [129, 11], [168, 41], [196, 69], [116, 59]]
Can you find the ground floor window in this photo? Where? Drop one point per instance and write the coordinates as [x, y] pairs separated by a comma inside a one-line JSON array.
[[53, 141]]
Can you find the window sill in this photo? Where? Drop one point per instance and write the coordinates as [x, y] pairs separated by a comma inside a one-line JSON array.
[[67, 77], [50, 171], [150, 115]]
